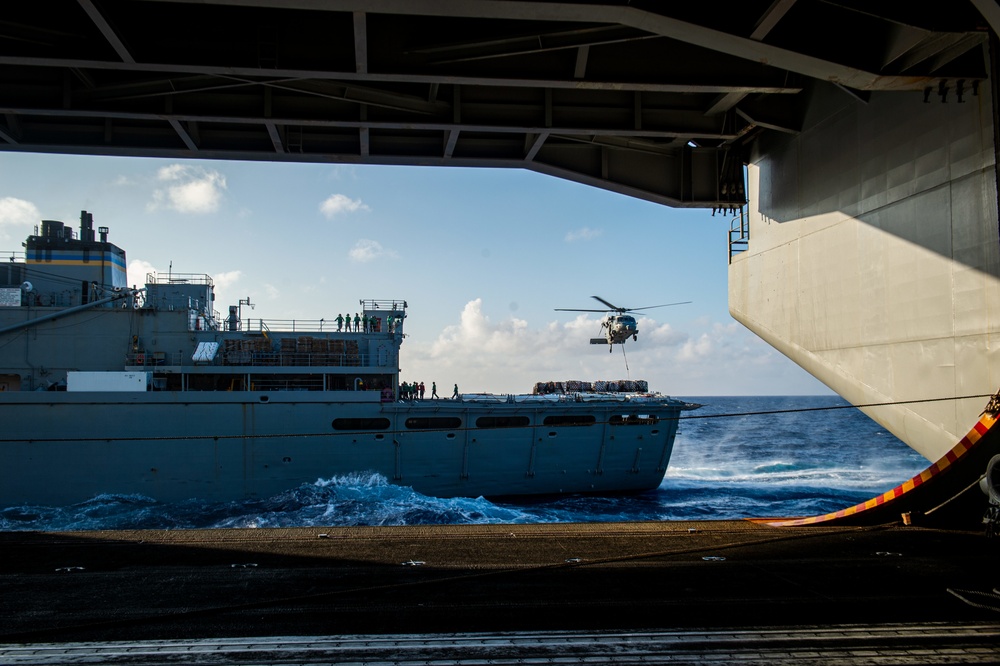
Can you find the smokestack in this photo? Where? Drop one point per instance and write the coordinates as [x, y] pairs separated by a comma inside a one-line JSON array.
[[86, 226]]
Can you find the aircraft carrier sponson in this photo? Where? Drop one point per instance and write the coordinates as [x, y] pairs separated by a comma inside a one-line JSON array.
[[877, 267]]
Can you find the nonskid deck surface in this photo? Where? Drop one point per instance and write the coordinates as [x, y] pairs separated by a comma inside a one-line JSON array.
[[887, 587], [936, 643]]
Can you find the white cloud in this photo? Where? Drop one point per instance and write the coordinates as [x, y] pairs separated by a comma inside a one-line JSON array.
[[17, 217], [584, 233], [510, 355], [702, 347], [366, 250], [172, 172], [225, 286], [188, 189], [343, 171], [336, 204], [137, 271], [477, 332], [661, 334], [226, 279]]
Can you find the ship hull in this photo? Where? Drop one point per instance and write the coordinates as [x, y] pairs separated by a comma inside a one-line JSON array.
[[62, 448], [106, 389], [873, 261]]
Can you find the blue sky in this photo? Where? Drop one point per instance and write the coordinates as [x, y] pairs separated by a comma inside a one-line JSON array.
[[482, 257]]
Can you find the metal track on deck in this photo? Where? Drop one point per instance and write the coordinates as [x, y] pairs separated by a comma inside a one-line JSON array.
[[844, 644]]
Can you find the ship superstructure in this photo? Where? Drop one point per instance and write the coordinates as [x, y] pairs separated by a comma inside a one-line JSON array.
[[106, 388]]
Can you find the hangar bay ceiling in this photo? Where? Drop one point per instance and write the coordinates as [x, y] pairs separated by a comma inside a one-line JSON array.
[[651, 99]]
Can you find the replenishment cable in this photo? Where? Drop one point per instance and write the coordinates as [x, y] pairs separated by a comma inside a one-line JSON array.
[[831, 407]]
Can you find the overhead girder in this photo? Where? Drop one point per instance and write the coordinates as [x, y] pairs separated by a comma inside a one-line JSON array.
[[648, 100]]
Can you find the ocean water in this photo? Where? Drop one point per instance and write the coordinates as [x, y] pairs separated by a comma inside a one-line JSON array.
[[736, 457]]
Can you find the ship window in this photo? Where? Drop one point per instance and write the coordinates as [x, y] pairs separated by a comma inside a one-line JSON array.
[[633, 419], [570, 420], [434, 423], [502, 422], [361, 424]]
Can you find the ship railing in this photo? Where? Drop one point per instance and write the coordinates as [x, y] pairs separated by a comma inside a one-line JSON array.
[[387, 304], [295, 359], [254, 359], [180, 278], [18, 257], [153, 359], [280, 383], [264, 327], [739, 233]]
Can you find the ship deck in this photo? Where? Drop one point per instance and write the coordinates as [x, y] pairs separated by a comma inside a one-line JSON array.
[[748, 588]]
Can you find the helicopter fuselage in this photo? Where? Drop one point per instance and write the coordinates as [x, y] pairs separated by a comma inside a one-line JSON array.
[[619, 328]]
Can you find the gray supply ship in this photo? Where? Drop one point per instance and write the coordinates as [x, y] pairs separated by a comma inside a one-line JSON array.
[[110, 389]]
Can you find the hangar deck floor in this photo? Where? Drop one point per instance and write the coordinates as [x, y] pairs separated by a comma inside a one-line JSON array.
[[891, 588]]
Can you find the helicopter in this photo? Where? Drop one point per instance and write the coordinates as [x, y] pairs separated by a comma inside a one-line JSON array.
[[617, 325]]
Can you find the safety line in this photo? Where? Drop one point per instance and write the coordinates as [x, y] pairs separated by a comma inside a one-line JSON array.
[[829, 407]]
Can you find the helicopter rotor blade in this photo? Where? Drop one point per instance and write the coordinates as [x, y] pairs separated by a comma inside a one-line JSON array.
[[650, 307], [613, 307], [618, 309]]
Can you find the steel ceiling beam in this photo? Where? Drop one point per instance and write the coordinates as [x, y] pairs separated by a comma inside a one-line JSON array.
[[106, 30], [657, 24], [246, 73], [611, 95]]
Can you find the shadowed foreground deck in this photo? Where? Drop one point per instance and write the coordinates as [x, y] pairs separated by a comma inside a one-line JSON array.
[[894, 584]]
